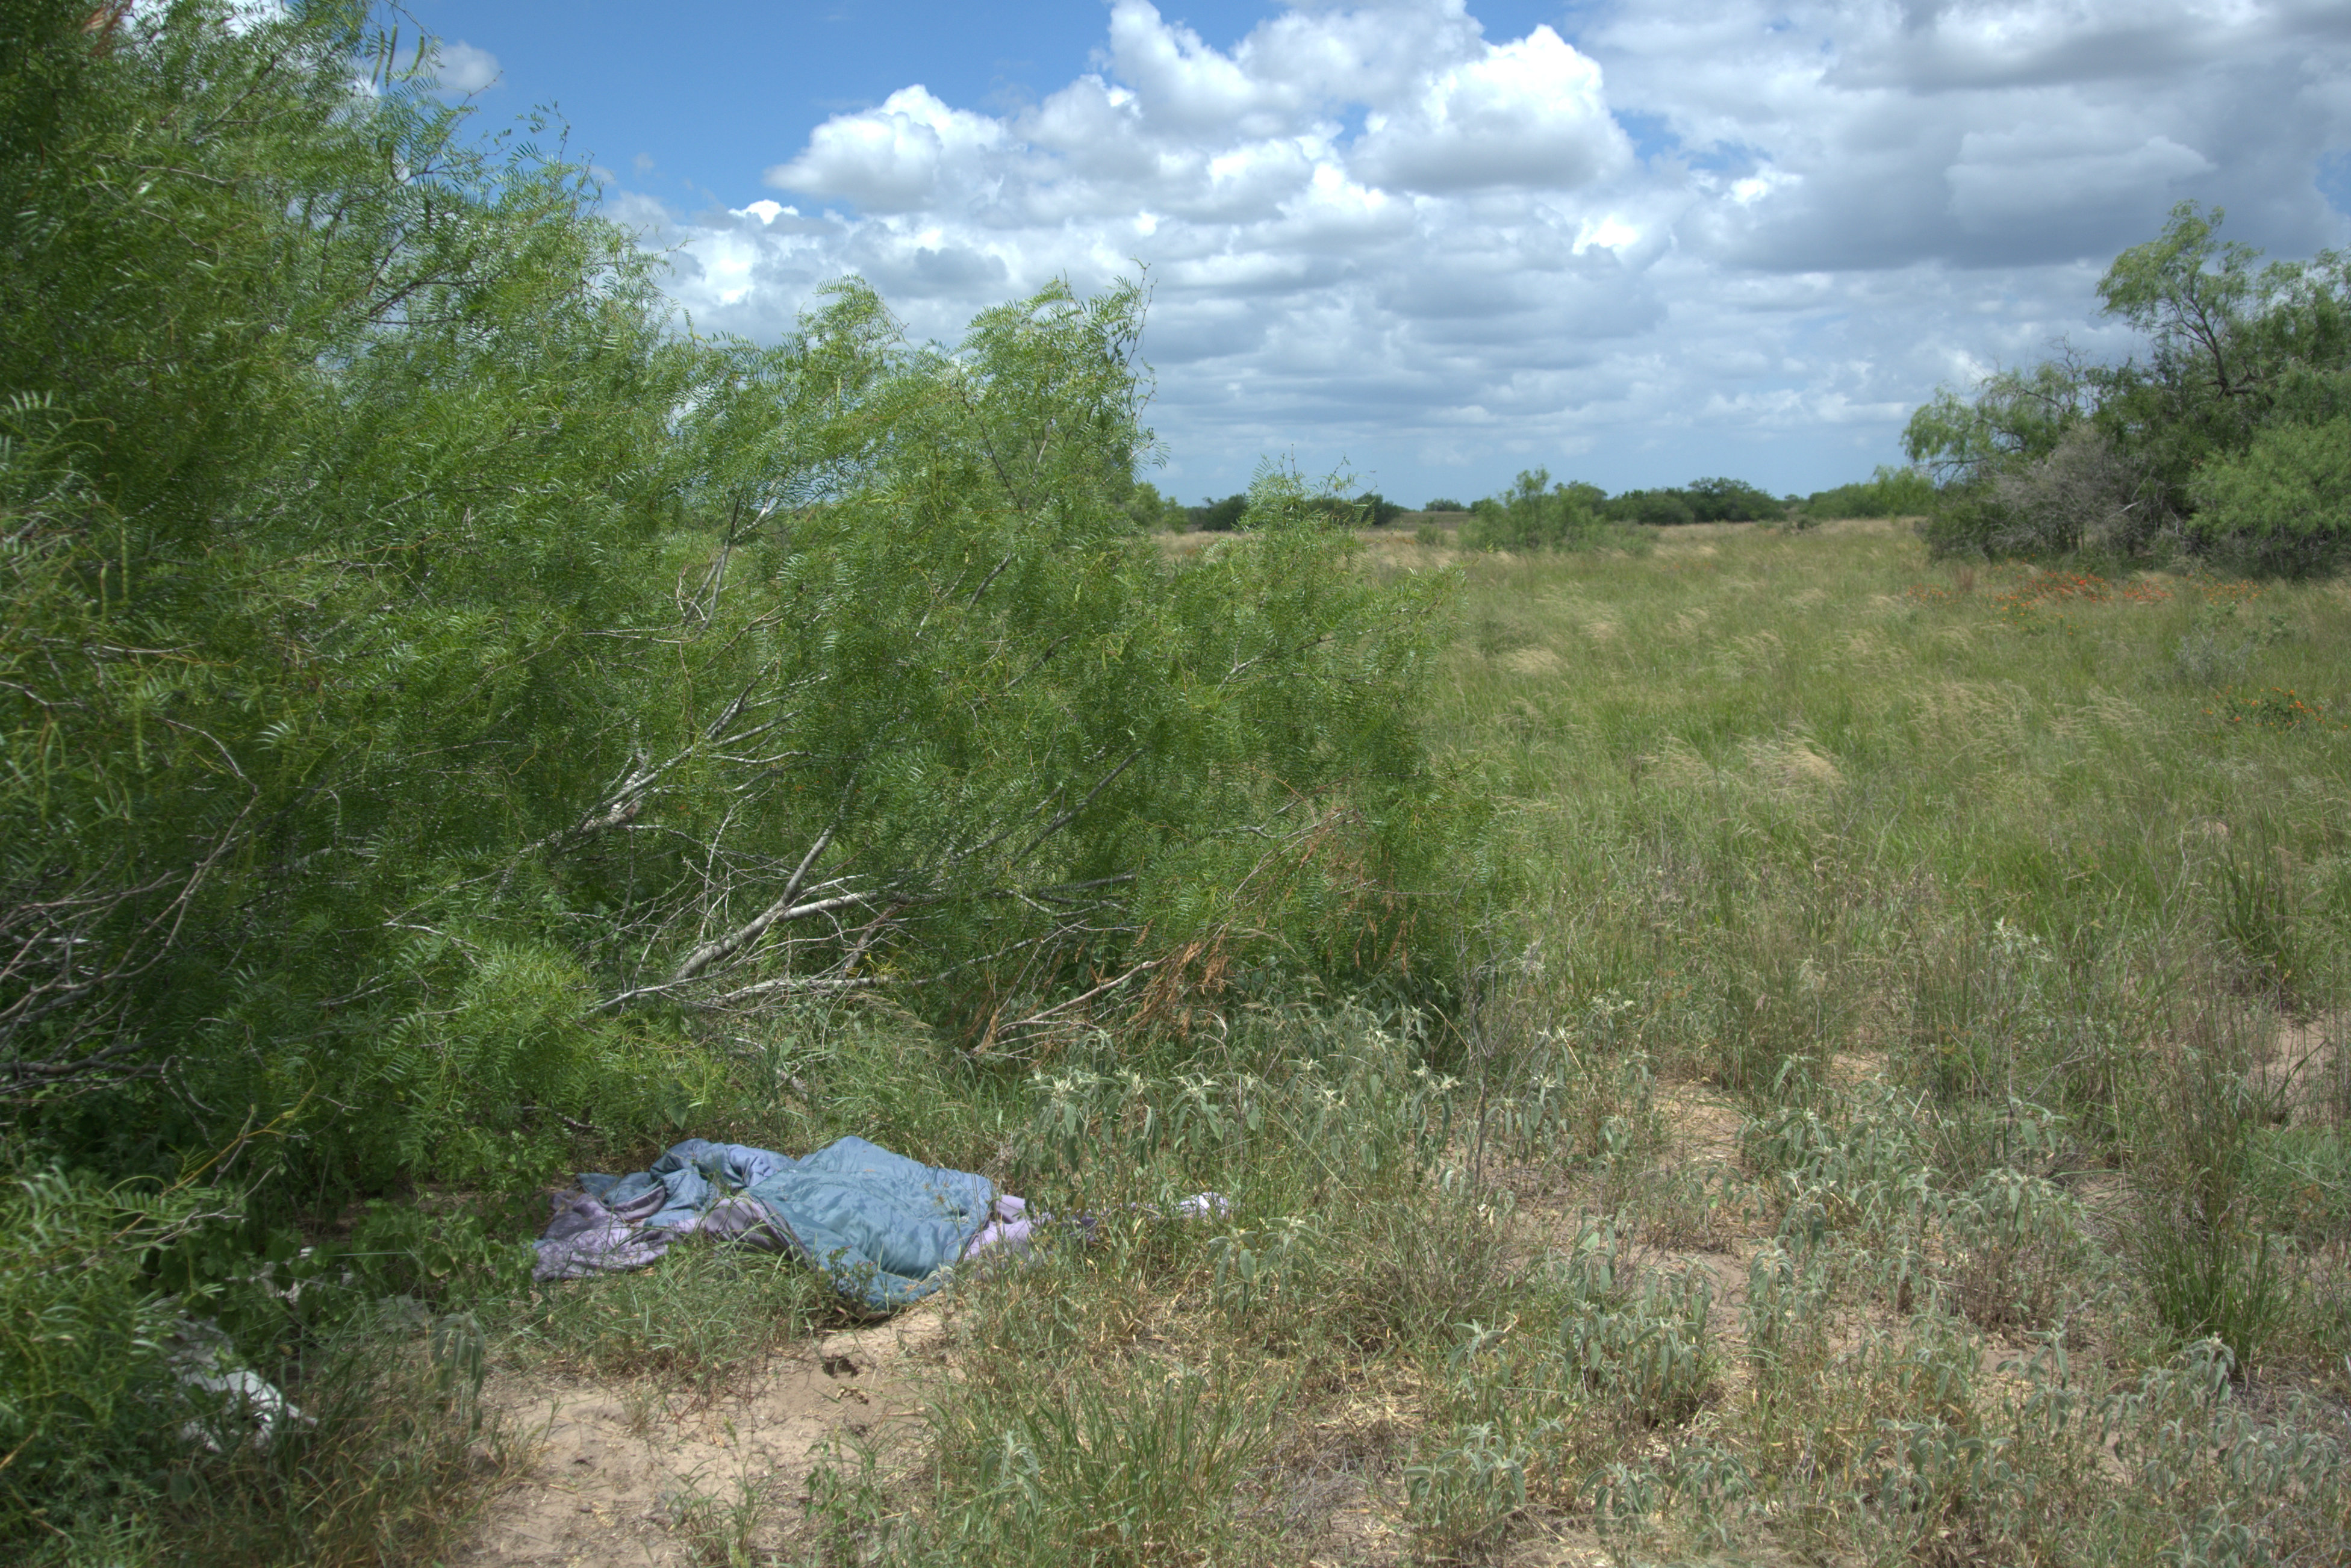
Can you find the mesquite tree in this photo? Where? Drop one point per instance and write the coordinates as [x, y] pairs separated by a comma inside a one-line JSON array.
[[2225, 437], [438, 693]]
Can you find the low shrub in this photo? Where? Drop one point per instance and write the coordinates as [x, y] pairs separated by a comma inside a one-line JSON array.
[[1636, 1340], [89, 1404], [1535, 514], [2020, 1252]]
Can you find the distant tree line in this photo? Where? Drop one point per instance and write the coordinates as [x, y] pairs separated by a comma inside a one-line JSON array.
[[1161, 513], [1700, 501], [1537, 513]]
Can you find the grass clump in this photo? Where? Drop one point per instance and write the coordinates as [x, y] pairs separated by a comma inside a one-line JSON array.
[[2202, 1235]]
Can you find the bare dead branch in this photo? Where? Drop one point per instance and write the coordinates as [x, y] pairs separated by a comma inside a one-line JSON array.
[[709, 952], [1079, 1000], [785, 985]]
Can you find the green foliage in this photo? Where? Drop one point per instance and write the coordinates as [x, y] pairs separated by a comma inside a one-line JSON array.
[[1217, 516], [2259, 908], [2019, 1253], [436, 691], [1652, 508], [1967, 887], [1730, 501], [448, 1260], [2229, 1485], [2212, 1267], [696, 1321], [1104, 1471], [86, 1398], [445, 708], [397, 1455], [107, 1290], [2283, 505], [1640, 1344], [2231, 346], [2226, 437], [1462, 1497], [2219, 647], [1153, 513], [1700, 501], [1535, 514], [1442, 505], [2015, 417], [1890, 491], [331, 439]]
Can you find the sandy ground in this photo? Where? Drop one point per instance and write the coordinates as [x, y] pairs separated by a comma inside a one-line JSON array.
[[633, 1474]]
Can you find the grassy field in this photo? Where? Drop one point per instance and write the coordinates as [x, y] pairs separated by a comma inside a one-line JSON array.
[[1900, 1119], [1898, 1116]]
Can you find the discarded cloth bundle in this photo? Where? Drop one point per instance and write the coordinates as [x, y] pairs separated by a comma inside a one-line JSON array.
[[883, 1228]]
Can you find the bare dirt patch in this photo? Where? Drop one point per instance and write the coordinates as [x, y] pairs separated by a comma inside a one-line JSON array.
[[1704, 1123], [2304, 1072], [630, 1472]]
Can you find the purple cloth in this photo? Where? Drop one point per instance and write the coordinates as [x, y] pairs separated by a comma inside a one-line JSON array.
[[609, 1225], [1008, 1230], [586, 1237]]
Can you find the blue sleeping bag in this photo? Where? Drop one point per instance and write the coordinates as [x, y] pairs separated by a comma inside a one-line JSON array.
[[882, 1227]]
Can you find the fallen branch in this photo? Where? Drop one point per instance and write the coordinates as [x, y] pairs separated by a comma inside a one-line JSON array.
[[1077, 1000], [784, 985], [709, 952]]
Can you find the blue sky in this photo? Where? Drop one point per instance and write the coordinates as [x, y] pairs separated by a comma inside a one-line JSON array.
[[713, 93], [1435, 242]]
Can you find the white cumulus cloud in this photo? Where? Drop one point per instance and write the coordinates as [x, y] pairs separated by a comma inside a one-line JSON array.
[[462, 69], [893, 159], [1529, 114], [1693, 236]]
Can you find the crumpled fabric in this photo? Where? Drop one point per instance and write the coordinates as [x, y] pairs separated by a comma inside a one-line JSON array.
[[611, 1225], [682, 1184], [1008, 1229], [884, 1229], [239, 1405]]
